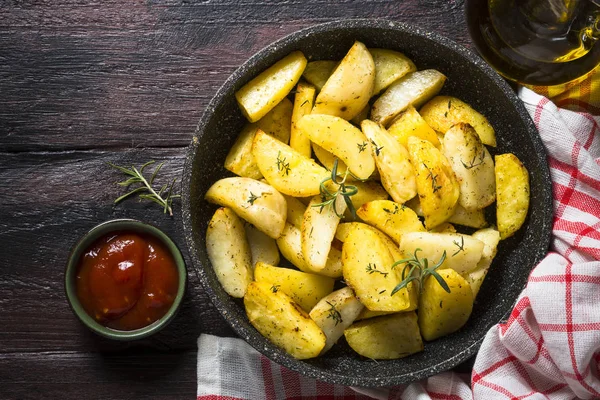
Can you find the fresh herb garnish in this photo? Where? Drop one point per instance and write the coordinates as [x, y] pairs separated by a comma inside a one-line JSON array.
[[372, 268], [473, 163], [252, 198], [275, 288], [417, 270], [377, 149], [434, 182], [361, 146], [282, 166], [334, 314], [164, 196], [461, 245], [329, 198]]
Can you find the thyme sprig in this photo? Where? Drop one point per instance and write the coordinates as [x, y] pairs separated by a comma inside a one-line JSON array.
[[334, 314], [163, 196], [475, 162], [417, 270], [346, 191]]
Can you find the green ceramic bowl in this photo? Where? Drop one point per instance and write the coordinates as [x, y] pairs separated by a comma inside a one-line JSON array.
[[90, 237]]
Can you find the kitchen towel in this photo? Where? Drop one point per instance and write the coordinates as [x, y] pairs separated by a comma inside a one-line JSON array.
[[550, 346]]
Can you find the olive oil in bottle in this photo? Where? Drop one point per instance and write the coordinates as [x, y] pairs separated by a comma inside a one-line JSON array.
[[537, 42]]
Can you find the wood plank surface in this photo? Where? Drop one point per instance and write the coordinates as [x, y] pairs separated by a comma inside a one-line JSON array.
[[83, 83]]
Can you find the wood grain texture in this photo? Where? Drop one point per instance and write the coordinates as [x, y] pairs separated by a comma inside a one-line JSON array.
[[87, 82]]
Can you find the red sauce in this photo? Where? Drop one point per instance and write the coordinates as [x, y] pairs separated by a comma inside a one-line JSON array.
[[126, 281]]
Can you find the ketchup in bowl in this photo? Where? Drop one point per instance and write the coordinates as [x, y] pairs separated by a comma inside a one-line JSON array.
[[126, 280]]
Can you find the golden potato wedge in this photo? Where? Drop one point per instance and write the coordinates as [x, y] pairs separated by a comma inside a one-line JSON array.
[[283, 322], [393, 163], [304, 288], [328, 159], [390, 66], [229, 252], [414, 88], [367, 191], [437, 186], [512, 191], [473, 166], [391, 218], [490, 238], [442, 112], [317, 72], [290, 245], [343, 230], [287, 170], [262, 247], [276, 123], [318, 229], [446, 227], [442, 313], [473, 219], [410, 123], [463, 252], [263, 93], [295, 211], [386, 338], [366, 314], [334, 313], [255, 201], [342, 139], [303, 104], [240, 160], [368, 269], [350, 86]]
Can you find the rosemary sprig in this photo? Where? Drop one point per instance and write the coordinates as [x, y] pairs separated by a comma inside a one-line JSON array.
[[164, 196], [418, 270], [343, 189]]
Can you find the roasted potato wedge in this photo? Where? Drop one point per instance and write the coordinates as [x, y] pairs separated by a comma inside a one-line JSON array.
[[304, 288], [512, 191], [414, 88], [410, 123], [318, 230], [437, 186], [317, 72], [343, 230], [263, 93], [473, 218], [283, 322], [367, 266], [287, 170], [446, 227], [463, 252], [229, 252], [386, 338], [290, 245], [276, 123], [295, 211], [442, 313], [390, 66], [391, 218], [350, 86], [393, 163], [303, 104], [473, 166], [255, 201], [342, 139], [442, 112], [336, 312], [366, 314], [490, 238], [262, 247]]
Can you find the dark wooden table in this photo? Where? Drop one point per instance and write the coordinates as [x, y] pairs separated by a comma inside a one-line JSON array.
[[83, 83]]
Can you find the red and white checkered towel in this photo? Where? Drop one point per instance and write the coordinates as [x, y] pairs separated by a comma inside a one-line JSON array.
[[550, 346]]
